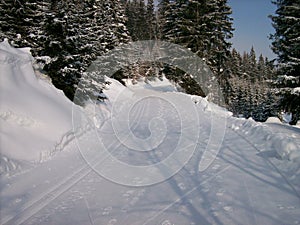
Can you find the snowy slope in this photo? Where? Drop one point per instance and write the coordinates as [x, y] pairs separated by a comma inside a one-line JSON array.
[[34, 115], [251, 177]]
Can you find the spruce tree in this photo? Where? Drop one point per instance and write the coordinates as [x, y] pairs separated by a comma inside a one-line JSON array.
[[286, 45], [21, 22], [221, 32], [163, 9], [285, 41], [252, 63], [76, 33], [137, 23], [151, 20]]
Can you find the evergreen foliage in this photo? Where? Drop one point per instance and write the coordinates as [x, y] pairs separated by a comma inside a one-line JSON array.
[[204, 27], [21, 22], [286, 44], [64, 35], [249, 93]]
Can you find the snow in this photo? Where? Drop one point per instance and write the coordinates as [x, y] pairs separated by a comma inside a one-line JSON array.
[[206, 167], [273, 120], [163, 85], [296, 91], [298, 124], [34, 115], [288, 77], [287, 117]]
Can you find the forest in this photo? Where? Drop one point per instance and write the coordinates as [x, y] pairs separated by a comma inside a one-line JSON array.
[[66, 36]]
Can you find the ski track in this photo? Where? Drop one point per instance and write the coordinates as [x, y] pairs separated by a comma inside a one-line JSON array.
[[186, 195], [270, 163], [36, 204]]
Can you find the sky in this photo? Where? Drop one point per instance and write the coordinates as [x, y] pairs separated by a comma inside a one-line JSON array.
[[252, 25]]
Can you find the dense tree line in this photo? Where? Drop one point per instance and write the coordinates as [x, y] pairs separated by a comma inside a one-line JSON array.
[[286, 44], [249, 92], [65, 36]]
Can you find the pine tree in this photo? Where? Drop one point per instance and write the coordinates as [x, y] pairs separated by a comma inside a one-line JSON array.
[[221, 33], [252, 63], [201, 26], [76, 33], [21, 22], [163, 9], [286, 44], [250, 93], [173, 26], [137, 23], [204, 27], [151, 20]]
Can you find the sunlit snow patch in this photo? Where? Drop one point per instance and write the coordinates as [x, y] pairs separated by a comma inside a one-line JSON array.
[[34, 115]]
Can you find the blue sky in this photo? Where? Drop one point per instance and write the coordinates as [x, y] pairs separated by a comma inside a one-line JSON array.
[[252, 25]]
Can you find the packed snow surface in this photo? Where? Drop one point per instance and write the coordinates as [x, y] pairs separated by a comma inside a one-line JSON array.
[[148, 155]]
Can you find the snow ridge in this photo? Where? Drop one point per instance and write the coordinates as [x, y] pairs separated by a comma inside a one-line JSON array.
[[284, 146]]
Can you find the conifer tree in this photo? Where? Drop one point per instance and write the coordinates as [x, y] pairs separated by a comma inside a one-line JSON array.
[[21, 22], [285, 41], [137, 23], [286, 44], [76, 33], [151, 20]]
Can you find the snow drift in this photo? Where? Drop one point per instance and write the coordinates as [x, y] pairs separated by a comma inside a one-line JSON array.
[[34, 115]]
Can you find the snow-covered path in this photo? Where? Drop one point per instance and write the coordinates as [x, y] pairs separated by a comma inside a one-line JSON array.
[[241, 186]]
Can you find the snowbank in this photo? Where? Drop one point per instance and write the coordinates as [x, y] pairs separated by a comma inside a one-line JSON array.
[[273, 120], [284, 146], [296, 91], [34, 115], [163, 84]]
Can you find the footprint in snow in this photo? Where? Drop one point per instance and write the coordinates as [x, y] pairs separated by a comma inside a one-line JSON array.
[[182, 186], [107, 211], [227, 208], [112, 222], [220, 194], [128, 193], [167, 222], [215, 167], [18, 200], [134, 201]]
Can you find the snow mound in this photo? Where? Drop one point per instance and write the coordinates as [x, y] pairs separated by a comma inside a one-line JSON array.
[[285, 147], [273, 120], [157, 84], [34, 115], [296, 91]]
